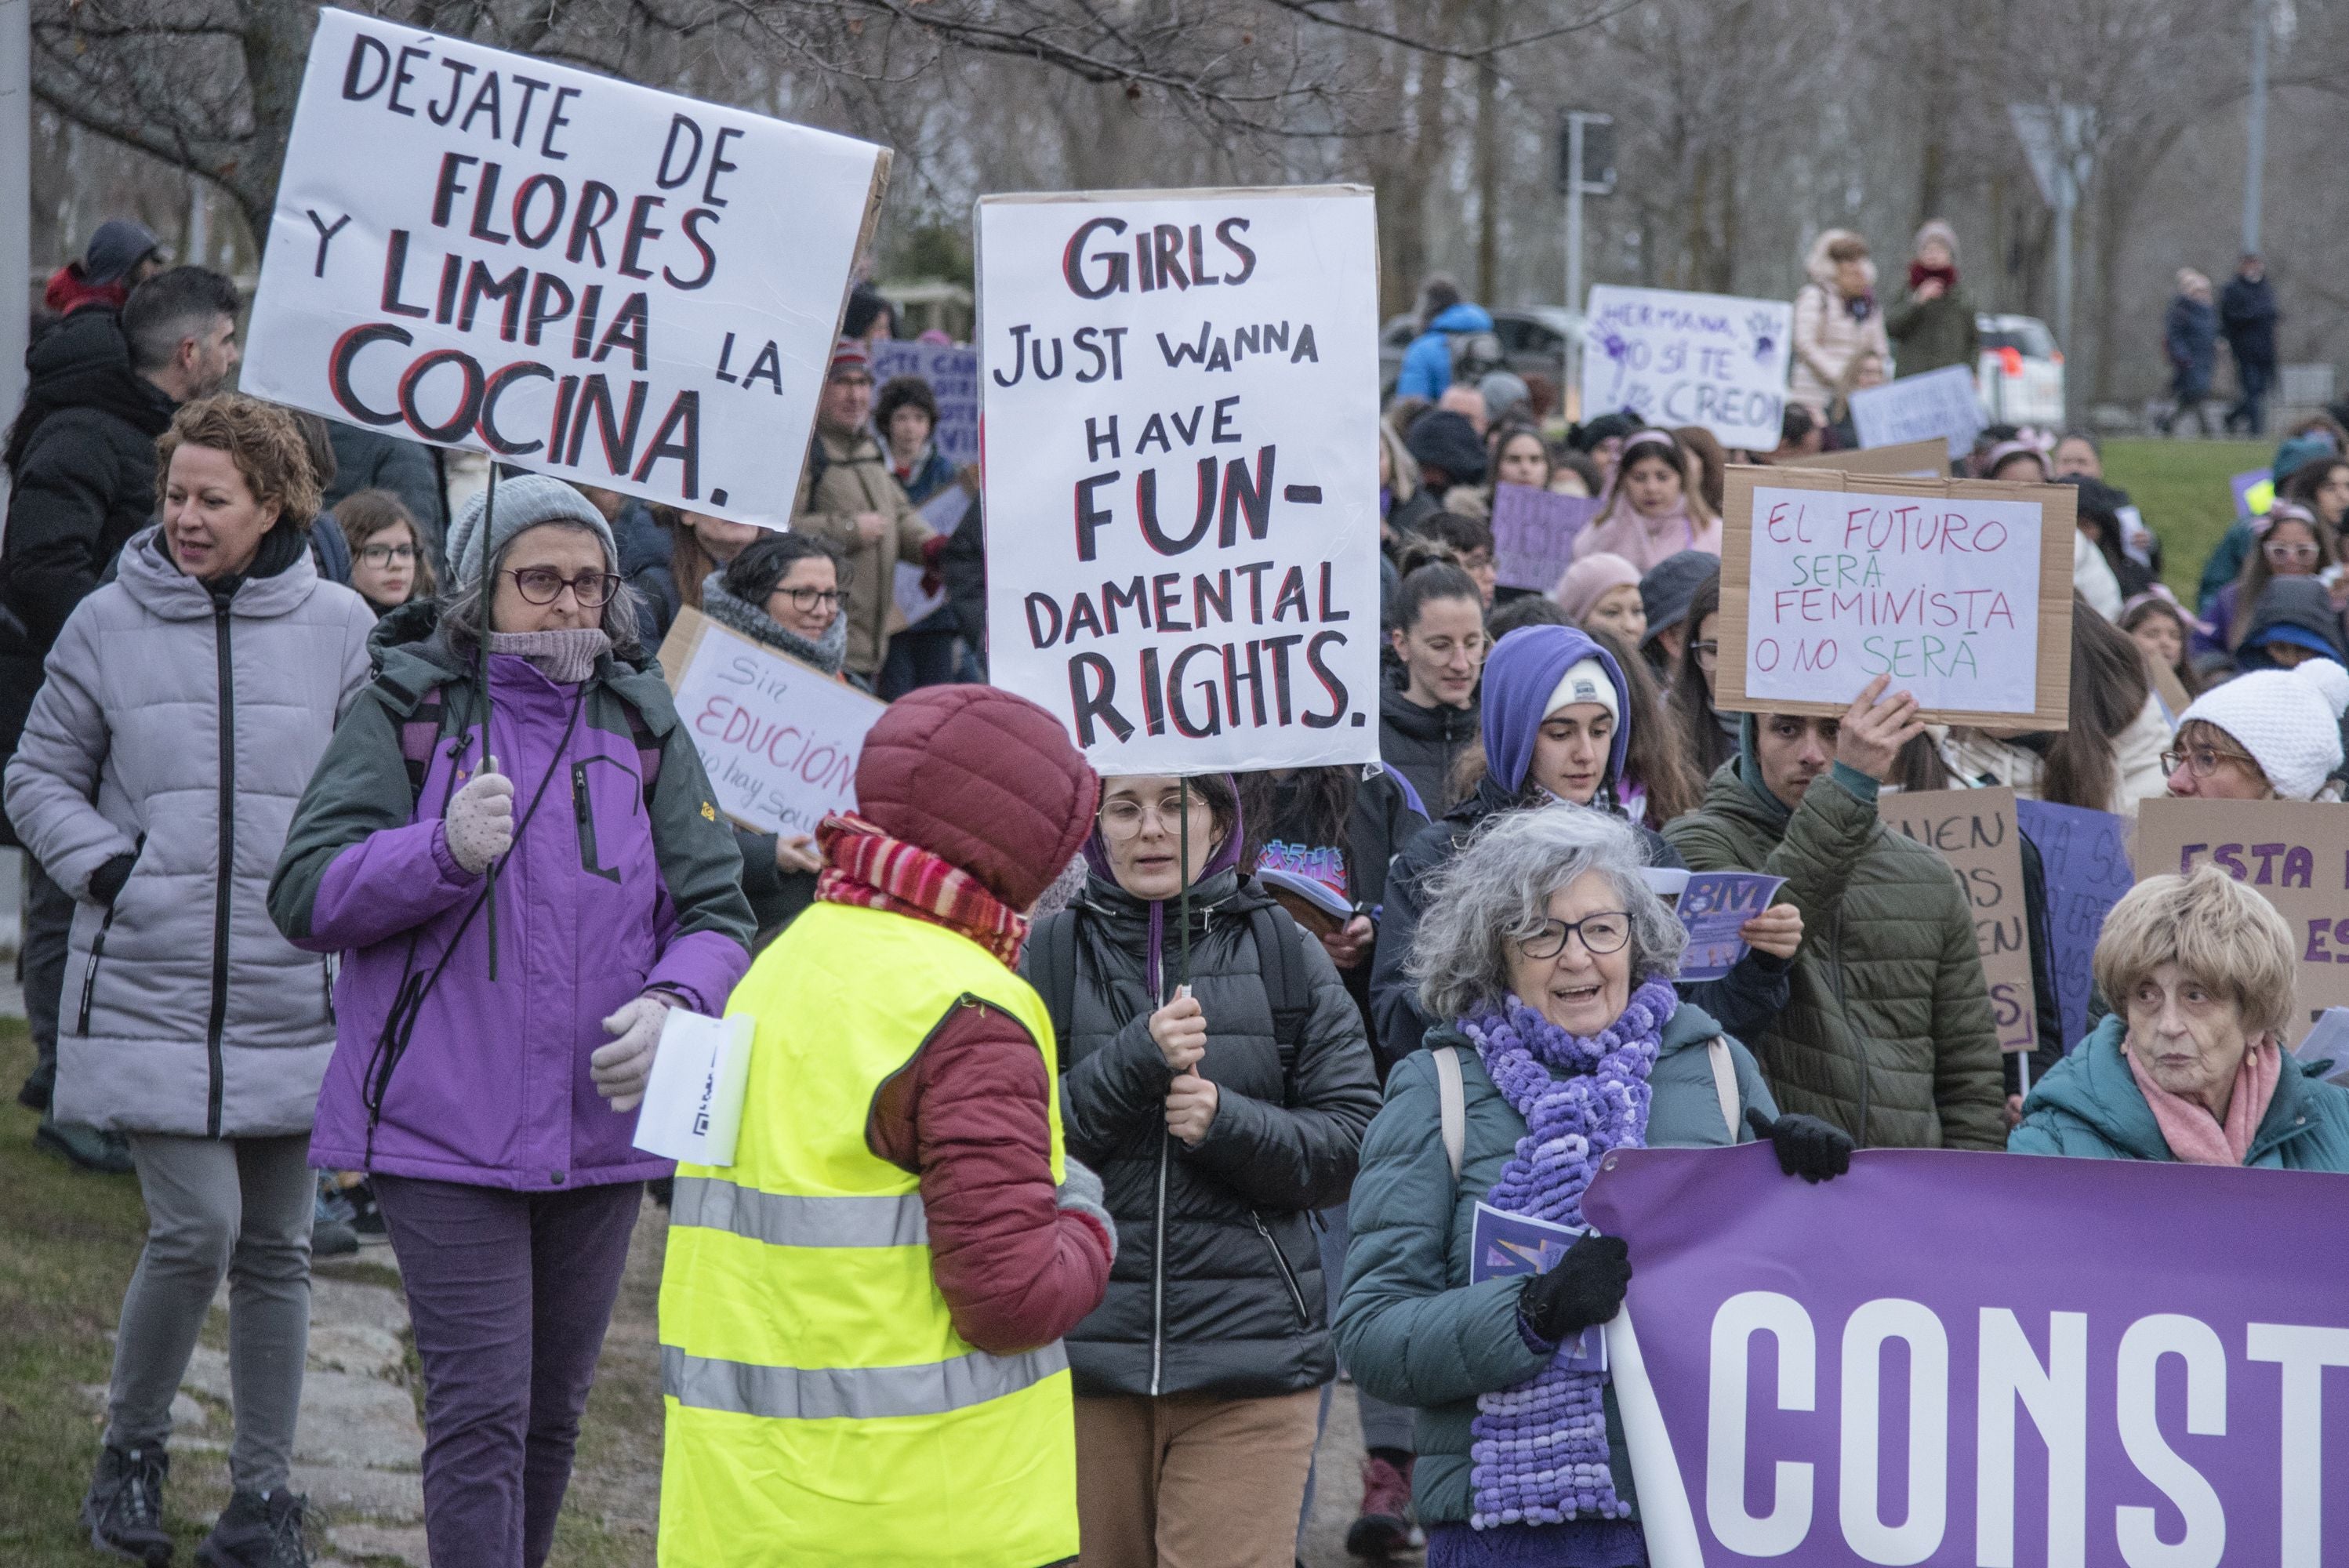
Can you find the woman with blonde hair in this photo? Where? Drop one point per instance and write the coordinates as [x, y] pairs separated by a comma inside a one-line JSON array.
[[1835, 318], [2192, 1067]]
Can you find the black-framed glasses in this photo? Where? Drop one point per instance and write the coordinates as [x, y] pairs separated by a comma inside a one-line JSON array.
[[382, 555], [805, 599], [1708, 655], [2203, 761], [1123, 817], [544, 585], [1601, 933]]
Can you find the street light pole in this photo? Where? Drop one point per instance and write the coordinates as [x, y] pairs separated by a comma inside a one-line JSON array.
[[1573, 250], [2255, 126]]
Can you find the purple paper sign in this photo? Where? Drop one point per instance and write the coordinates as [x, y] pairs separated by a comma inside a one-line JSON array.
[[1503, 1244], [1949, 1358], [2085, 855], [1714, 906], [1533, 532], [2243, 484]]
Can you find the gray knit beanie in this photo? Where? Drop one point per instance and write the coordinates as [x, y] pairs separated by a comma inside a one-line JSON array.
[[524, 502]]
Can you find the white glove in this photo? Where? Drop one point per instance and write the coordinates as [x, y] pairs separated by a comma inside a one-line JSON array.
[[480, 823], [622, 1068]]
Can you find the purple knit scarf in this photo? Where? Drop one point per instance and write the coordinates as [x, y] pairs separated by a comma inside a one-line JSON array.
[[1538, 1451]]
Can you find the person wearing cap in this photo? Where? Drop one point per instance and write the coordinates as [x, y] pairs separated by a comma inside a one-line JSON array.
[[1888, 1032], [1508, 399], [1601, 440], [849, 496], [1934, 322], [121, 255], [1666, 593], [81, 473], [2296, 621], [2270, 735], [2292, 454], [1651, 509], [513, 845], [1604, 590], [1556, 727], [2288, 543], [1448, 450]]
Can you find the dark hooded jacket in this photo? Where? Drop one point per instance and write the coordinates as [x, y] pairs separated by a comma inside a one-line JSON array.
[[1218, 1287], [81, 467], [1521, 673], [2297, 609], [1422, 743]]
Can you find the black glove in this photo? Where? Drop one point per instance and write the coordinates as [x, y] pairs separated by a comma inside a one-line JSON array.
[[1806, 1147], [106, 882], [1585, 1287]]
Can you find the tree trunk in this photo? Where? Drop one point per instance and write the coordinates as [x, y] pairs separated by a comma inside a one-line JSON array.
[[277, 50]]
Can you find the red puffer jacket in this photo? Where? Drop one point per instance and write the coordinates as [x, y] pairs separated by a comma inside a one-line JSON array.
[[988, 781]]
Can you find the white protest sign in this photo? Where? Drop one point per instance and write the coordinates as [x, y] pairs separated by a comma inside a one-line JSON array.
[[1919, 407], [1677, 358], [1181, 446], [578, 275], [952, 371], [1957, 590], [779, 738]]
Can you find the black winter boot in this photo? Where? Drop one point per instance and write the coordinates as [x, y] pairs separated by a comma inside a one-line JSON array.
[[124, 1509], [260, 1530]]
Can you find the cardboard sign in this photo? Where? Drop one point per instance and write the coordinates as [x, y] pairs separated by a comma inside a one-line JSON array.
[[2293, 854], [1939, 404], [1958, 590], [1181, 399], [2084, 856], [1533, 532], [577, 274], [952, 371], [779, 738], [1909, 461], [1974, 831], [1677, 358]]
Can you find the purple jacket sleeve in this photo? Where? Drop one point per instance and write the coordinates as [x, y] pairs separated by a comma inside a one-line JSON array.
[[394, 879]]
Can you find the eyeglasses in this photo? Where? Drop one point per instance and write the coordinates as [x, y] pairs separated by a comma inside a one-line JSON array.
[[2203, 761], [1708, 655], [1603, 932], [385, 555], [2284, 554], [544, 585], [1123, 819], [804, 600]]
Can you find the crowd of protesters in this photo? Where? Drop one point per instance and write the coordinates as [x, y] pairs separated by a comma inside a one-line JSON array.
[[367, 858]]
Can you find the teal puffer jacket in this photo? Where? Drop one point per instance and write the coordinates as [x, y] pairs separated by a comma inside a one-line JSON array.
[[1411, 1327], [2091, 1107]]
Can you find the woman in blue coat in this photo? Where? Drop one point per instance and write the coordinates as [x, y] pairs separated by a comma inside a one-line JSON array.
[[2192, 1067], [2189, 337], [1550, 962]]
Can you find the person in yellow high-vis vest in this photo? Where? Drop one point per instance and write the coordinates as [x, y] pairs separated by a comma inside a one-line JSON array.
[[861, 1317]]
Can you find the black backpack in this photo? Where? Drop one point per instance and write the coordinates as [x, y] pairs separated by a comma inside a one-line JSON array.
[[1279, 964]]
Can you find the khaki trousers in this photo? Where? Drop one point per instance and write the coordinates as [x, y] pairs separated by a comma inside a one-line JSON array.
[[1193, 1481]]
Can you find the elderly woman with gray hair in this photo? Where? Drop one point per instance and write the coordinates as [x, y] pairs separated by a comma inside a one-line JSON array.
[[1552, 963], [2192, 1067]]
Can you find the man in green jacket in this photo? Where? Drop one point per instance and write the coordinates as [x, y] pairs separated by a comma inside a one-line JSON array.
[[1887, 1032]]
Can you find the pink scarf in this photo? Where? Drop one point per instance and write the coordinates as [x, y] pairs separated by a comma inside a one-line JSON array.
[[2193, 1134]]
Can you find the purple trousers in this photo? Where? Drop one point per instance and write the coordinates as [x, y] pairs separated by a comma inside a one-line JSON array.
[[509, 1293]]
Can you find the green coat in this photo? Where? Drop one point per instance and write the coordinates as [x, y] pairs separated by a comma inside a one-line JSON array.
[[1934, 334], [1411, 1328], [2090, 1108], [1887, 1032]]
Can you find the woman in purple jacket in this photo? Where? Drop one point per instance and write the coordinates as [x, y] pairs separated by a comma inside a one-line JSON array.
[[517, 912]]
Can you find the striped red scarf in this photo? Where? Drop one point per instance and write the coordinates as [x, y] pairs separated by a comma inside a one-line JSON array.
[[866, 867]]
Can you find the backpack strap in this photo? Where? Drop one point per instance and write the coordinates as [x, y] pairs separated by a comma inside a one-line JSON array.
[[419, 732], [1286, 988], [1451, 1104], [1725, 1082], [1052, 968]]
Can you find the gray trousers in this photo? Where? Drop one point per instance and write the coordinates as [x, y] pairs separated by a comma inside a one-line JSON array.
[[234, 1206]]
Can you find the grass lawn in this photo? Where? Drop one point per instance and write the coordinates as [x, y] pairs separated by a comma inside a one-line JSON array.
[[2181, 488]]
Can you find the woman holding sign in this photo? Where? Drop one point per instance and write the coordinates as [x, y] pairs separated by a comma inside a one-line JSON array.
[[1550, 963], [522, 881], [2191, 1069]]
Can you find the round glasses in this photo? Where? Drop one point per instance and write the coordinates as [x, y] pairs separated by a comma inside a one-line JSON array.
[[544, 585], [1601, 933], [2203, 761], [1123, 819], [1708, 655]]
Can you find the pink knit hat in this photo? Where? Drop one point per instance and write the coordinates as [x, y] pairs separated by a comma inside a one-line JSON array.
[[1588, 580]]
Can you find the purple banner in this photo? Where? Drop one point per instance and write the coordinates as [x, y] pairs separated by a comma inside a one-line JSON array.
[[2252, 490], [1961, 1359], [1533, 532], [2085, 856]]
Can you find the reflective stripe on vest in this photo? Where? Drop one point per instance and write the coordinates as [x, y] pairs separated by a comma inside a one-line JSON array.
[[788, 1219], [863, 1393]]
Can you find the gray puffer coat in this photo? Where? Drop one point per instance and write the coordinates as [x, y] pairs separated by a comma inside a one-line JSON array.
[[182, 728]]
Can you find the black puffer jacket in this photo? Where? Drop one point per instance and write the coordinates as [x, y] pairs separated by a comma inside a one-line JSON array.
[[1218, 1287], [81, 460], [1422, 743]]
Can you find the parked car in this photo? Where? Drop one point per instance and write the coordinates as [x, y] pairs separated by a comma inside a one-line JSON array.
[[2020, 375], [1533, 339]]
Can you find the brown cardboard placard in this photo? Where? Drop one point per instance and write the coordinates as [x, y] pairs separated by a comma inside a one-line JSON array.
[[1908, 459], [2293, 854], [1974, 831], [1840, 680]]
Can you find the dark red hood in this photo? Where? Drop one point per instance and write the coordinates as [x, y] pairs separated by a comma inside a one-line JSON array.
[[983, 778]]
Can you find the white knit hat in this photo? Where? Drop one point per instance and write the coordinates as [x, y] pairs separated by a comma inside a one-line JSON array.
[[2288, 720], [1585, 681]]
